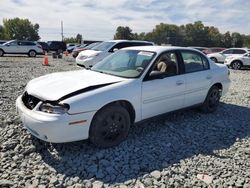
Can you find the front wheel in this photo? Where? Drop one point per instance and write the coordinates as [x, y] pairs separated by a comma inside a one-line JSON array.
[[212, 100], [110, 126], [32, 53], [236, 65]]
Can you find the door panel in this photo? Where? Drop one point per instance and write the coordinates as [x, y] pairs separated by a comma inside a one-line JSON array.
[[12, 48], [162, 95], [246, 60], [197, 86]]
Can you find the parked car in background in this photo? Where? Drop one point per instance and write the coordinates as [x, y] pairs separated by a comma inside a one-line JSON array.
[[72, 47], [71, 44], [212, 50], [221, 56], [57, 46], [44, 45], [198, 48], [131, 85], [21, 47], [238, 61], [81, 48], [88, 58], [3, 41]]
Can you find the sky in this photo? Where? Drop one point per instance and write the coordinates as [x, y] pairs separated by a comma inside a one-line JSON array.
[[98, 19]]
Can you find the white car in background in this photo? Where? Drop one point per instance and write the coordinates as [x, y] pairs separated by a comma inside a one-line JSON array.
[[131, 85], [21, 47], [221, 56], [238, 61], [88, 58]]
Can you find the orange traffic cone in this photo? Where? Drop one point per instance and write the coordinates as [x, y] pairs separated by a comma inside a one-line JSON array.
[[46, 60]]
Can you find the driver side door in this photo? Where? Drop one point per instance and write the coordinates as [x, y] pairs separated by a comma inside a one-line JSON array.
[[12, 47], [163, 93]]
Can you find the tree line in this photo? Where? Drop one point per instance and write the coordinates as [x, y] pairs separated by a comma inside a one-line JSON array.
[[192, 34]]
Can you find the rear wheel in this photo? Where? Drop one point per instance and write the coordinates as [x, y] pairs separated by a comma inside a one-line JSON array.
[[110, 126], [236, 65], [32, 53], [214, 59], [212, 100], [1, 53]]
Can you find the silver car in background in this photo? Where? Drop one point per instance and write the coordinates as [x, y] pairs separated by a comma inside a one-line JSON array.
[[88, 58], [21, 47]]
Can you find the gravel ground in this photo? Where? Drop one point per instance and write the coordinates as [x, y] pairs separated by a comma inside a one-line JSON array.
[[165, 152]]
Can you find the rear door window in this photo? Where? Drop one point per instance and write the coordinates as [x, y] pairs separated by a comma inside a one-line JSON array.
[[227, 52], [239, 51], [194, 62]]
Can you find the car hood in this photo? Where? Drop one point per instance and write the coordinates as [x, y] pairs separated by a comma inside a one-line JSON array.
[[89, 53], [55, 86]]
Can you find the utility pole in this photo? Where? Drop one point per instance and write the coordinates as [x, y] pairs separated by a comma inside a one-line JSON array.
[[62, 29]]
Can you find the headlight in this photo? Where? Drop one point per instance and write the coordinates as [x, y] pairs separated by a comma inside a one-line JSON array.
[[54, 108]]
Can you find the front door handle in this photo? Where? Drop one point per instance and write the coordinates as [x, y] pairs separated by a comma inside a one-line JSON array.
[[179, 82]]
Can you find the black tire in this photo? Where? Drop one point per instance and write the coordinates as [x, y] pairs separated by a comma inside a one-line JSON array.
[[110, 126], [1, 52], [214, 59], [236, 65], [32, 53], [212, 100]]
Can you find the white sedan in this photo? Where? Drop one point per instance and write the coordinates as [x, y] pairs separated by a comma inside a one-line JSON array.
[[129, 86], [238, 61]]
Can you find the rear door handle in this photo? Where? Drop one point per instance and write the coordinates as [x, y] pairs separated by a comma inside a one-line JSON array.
[[179, 82]]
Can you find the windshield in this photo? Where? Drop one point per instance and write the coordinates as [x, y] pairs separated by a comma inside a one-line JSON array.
[[92, 45], [125, 63], [104, 46]]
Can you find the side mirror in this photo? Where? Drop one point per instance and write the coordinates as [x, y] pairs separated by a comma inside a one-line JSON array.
[[156, 75], [7, 44]]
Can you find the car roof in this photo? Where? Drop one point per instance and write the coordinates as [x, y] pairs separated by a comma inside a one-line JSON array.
[[128, 41], [159, 49]]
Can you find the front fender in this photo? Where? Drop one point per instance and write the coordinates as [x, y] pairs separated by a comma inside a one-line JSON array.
[[94, 100]]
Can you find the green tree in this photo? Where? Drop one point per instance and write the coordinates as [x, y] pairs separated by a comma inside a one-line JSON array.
[[21, 29], [70, 40], [123, 33], [227, 40], [237, 39], [246, 41], [79, 38], [215, 37], [165, 34], [1, 32]]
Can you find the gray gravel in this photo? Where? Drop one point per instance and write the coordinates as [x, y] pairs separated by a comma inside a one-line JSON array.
[[165, 152]]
